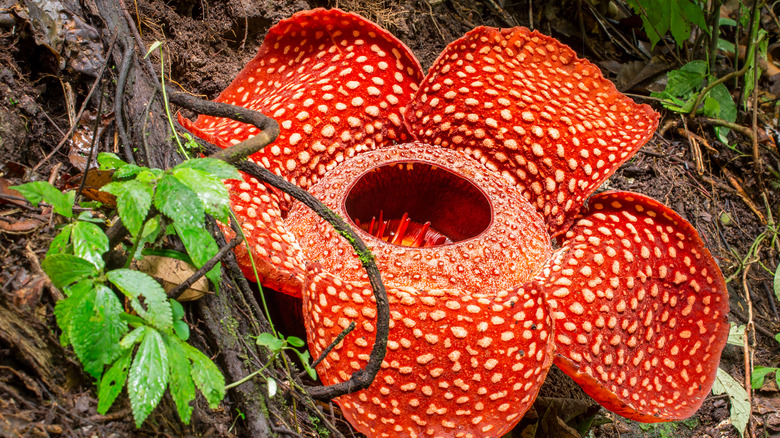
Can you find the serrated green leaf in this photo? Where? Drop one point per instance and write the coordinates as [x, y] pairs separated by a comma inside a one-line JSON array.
[[269, 341], [113, 381], [66, 269], [179, 202], [296, 341], [148, 375], [89, 242], [133, 200], [133, 337], [108, 161], [156, 309], [60, 243], [218, 168], [757, 378], [96, 329], [201, 247], [210, 190], [63, 310], [181, 385], [206, 376], [128, 171], [38, 191], [740, 408]]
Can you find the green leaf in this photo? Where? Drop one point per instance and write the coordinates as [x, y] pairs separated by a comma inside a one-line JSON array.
[[270, 341], [148, 376], [96, 329], [156, 309], [89, 242], [64, 309], [201, 246], [133, 200], [757, 378], [66, 269], [152, 48], [38, 191], [206, 376], [128, 171], [179, 202], [178, 255], [740, 408], [108, 161], [181, 385], [777, 282], [181, 329], [305, 359], [113, 381], [60, 243], [216, 167], [210, 190], [295, 341], [134, 337], [271, 387], [736, 335], [727, 109]]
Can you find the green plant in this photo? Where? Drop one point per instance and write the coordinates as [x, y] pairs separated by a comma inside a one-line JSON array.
[[760, 373], [674, 16], [682, 93], [144, 351]]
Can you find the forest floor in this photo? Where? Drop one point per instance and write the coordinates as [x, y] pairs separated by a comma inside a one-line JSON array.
[[716, 186]]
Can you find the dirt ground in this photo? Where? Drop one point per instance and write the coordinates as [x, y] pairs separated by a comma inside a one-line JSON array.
[[714, 186]]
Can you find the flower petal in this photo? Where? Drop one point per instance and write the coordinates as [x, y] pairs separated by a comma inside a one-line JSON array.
[[525, 106], [275, 251], [335, 82], [639, 307], [455, 362], [509, 251]]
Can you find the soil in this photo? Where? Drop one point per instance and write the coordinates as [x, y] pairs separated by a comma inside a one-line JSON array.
[[44, 392]]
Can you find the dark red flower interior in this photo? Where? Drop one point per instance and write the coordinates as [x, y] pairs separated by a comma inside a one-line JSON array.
[[453, 207]]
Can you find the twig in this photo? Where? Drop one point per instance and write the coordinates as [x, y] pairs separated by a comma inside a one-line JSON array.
[[95, 136], [121, 82], [749, 329], [333, 344], [181, 287], [75, 125]]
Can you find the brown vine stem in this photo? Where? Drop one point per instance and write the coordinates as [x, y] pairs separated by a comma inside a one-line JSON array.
[[362, 378]]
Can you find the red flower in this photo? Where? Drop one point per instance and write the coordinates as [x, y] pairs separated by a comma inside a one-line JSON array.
[[506, 137]]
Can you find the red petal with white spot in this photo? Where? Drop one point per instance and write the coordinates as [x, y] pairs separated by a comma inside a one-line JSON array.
[[639, 307], [499, 240], [336, 83], [525, 106], [456, 363], [276, 254]]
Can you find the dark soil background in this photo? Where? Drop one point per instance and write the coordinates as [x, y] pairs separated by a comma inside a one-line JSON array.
[[44, 81]]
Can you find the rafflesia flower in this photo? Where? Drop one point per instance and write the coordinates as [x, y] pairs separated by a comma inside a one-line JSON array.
[[459, 181]]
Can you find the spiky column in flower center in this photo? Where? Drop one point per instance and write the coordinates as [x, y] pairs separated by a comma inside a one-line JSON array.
[[417, 204]]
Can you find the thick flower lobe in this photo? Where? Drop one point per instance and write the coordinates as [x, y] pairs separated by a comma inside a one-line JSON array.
[[525, 106], [639, 307], [338, 85], [458, 363]]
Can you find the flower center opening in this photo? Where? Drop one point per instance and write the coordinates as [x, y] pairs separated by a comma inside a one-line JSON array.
[[417, 204]]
